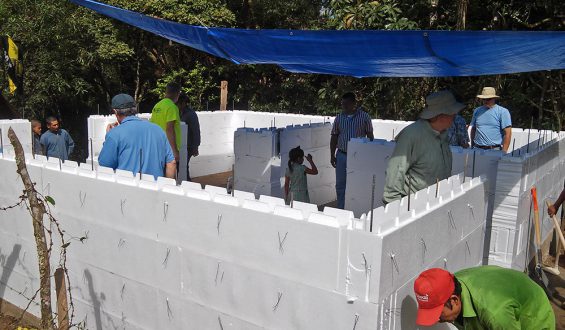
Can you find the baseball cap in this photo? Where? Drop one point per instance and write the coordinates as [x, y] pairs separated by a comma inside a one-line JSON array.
[[432, 288], [123, 101]]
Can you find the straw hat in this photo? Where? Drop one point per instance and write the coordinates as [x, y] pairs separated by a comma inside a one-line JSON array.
[[442, 102], [488, 93]]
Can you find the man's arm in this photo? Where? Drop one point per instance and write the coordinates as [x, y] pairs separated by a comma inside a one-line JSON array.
[[108, 156], [171, 169], [195, 131], [507, 138], [398, 165], [333, 147], [333, 141], [43, 143], [70, 143], [171, 136], [552, 210], [473, 136], [369, 128], [503, 318]]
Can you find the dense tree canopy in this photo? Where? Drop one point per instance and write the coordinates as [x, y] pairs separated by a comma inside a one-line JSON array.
[[75, 60]]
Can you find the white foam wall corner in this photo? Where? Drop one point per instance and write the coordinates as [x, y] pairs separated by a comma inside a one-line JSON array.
[[512, 217], [22, 129], [424, 233]]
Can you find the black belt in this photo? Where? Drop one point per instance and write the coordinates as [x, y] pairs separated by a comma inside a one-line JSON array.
[[487, 147], [343, 152]]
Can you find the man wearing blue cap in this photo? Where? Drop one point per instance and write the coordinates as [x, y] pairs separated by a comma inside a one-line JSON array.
[[136, 145]]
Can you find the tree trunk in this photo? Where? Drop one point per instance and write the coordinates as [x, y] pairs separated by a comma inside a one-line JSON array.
[[37, 212], [461, 14]]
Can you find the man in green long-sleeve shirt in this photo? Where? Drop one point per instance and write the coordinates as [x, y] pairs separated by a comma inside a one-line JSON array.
[[422, 154], [482, 298]]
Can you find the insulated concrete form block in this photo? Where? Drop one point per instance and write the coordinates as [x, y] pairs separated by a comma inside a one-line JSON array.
[[273, 302], [210, 164], [425, 234], [22, 129], [388, 129], [257, 169], [512, 216]]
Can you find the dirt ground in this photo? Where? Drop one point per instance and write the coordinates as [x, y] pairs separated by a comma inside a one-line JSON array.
[[11, 318]]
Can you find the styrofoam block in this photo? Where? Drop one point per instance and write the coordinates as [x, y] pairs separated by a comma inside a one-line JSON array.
[[344, 216], [257, 169], [305, 208], [323, 219], [198, 194], [286, 211], [243, 195], [213, 190], [126, 177], [431, 234], [257, 206], [106, 174], [189, 185], [226, 200], [272, 201]]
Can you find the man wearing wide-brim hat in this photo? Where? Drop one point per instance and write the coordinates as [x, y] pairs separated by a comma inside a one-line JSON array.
[[491, 123], [422, 154]]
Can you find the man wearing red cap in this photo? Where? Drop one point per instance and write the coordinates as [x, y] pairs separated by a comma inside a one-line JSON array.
[[486, 297]]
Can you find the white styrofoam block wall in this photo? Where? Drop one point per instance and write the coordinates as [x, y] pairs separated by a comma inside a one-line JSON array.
[[218, 258], [512, 218]]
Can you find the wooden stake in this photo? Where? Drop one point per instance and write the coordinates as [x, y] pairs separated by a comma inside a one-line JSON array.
[[62, 305], [223, 95]]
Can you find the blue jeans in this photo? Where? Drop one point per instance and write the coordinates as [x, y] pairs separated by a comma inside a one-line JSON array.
[[340, 178]]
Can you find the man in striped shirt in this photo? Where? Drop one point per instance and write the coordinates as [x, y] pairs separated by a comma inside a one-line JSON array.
[[352, 122]]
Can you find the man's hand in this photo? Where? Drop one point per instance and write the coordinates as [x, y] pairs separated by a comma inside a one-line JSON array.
[[110, 126], [333, 161], [195, 153], [309, 158], [551, 210]]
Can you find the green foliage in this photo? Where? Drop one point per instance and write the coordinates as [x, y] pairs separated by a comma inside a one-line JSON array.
[[50, 200], [361, 15], [196, 82]]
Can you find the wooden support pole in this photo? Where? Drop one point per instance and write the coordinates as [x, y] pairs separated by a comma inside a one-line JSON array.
[[62, 305], [224, 95]]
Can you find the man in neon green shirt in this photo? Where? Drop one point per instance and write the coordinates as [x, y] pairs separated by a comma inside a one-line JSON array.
[[166, 115], [485, 297]]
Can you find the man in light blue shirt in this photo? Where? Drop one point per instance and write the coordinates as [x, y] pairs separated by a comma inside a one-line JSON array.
[[56, 142], [134, 144], [491, 123]]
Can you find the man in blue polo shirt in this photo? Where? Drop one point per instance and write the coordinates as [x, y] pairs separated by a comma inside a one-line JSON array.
[[136, 145], [491, 123]]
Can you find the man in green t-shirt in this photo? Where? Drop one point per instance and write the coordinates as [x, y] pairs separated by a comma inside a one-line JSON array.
[[485, 297], [166, 115]]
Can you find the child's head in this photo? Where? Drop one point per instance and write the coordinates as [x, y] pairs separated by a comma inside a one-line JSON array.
[[36, 126], [295, 155]]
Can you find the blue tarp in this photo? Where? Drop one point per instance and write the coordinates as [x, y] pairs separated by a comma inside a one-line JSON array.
[[367, 53]]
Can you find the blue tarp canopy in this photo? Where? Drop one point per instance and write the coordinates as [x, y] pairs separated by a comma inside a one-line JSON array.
[[368, 53]]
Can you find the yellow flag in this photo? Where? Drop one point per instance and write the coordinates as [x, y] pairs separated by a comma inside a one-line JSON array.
[[13, 64]]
